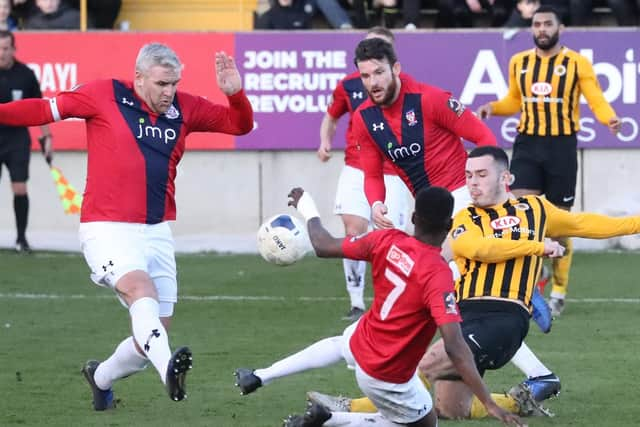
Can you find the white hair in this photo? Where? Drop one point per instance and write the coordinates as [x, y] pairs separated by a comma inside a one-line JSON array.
[[153, 54]]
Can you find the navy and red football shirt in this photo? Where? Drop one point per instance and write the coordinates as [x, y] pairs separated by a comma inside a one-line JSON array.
[[132, 152], [413, 295], [346, 98], [420, 133]]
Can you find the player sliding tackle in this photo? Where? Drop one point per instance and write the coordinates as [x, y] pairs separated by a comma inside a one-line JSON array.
[[414, 297], [495, 233]]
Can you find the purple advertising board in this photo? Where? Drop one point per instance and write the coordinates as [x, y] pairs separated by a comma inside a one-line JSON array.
[[289, 78]]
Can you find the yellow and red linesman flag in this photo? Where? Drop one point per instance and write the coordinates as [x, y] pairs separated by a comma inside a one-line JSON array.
[[70, 198]]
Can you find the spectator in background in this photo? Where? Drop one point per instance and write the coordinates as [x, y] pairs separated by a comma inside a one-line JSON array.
[[53, 15], [462, 12], [7, 22], [581, 11], [298, 15], [522, 13], [102, 13]]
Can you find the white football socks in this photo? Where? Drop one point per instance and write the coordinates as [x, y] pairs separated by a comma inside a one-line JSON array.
[[125, 361], [318, 355], [354, 274], [528, 363], [150, 334]]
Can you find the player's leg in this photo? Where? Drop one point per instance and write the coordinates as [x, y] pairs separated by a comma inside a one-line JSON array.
[[322, 353], [397, 201], [352, 206], [399, 404], [493, 331], [540, 379], [116, 254], [560, 189], [18, 165]]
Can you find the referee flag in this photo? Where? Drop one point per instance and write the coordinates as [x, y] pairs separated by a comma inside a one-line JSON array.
[[70, 198]]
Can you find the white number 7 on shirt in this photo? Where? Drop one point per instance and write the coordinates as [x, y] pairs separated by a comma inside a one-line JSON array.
[[399, 286]]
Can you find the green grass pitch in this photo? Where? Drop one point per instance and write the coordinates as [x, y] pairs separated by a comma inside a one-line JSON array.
[[52, 319]]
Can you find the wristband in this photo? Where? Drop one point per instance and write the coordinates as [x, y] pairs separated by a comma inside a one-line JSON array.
[[307, 207], [376, 203]]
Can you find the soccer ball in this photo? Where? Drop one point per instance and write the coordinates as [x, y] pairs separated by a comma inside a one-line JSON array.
[[282, 240]]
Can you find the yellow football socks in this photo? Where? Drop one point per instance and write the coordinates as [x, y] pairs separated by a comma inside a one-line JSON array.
[[504, 401], [363, 404], [561, 267]]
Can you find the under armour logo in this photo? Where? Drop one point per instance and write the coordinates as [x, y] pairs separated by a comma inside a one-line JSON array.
[[126, 101], [110, 264], [154, 333], [379, 126], [357, 95]]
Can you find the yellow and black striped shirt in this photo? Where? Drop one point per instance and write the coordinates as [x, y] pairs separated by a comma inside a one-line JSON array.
[[499, 250], [547, 92]]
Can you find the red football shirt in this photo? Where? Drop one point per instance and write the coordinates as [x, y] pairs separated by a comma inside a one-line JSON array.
[[346, 98], [420, 134], [132, 152], [413, 294]]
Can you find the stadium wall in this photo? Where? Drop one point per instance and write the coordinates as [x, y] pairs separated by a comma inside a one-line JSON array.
[[227, 185]]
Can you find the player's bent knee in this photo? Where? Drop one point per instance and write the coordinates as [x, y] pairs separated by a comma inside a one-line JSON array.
[[135, 285]]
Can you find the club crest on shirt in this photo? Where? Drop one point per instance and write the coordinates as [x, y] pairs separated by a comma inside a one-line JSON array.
[[458, 231], [560, 70], [505, 222], [450, 306], [411, 117], [172, 113], [456, 106], [400, 259]]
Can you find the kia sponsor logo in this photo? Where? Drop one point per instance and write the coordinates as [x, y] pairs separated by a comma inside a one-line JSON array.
[[541, 88], [505, 222]]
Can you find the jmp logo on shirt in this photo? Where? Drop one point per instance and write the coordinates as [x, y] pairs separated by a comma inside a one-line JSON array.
[[155, 132], [404, 151]]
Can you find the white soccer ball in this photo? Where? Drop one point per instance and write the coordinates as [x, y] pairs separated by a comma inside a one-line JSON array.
[[282, 239]]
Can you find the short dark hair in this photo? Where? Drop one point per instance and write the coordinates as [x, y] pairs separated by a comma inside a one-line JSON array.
[[375, 48], [434, 207], [545, 8], [382, 31], [498, 154], [8, 34]]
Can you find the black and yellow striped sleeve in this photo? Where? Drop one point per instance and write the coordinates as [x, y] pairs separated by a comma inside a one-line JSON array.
[[592, 91], [511, 102]]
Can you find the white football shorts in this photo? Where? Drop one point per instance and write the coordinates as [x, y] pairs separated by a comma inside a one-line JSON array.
[[113, 249], [351, 200], [400, 403]]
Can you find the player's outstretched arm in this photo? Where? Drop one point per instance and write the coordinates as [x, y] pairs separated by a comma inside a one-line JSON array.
[[26, 112], [324, 244], [227, 74]]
